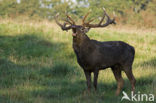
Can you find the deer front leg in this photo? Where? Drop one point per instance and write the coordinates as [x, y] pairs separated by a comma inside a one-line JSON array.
[[96, 72], [88, 78]]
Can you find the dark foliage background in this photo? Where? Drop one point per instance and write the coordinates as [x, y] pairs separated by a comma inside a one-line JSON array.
[[133, 12]]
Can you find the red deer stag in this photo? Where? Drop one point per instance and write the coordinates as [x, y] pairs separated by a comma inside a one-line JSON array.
[[93, 55]]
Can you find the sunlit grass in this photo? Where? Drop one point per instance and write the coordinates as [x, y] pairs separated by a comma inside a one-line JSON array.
[[38, 65]]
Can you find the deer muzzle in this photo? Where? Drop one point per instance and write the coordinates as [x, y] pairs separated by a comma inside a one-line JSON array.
[[73, 34]]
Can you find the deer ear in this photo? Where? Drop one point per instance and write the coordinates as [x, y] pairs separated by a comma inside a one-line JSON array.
[[86, 30]]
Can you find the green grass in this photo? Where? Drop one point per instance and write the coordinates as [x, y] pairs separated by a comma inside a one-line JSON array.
[[38, 65]]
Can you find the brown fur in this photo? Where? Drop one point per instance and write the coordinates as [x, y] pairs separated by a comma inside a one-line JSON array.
[[94, 55]]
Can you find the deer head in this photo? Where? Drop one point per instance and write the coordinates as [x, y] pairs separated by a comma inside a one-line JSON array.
[[85, 26]]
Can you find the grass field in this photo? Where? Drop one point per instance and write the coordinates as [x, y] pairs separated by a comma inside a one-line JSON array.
[[38, 65]]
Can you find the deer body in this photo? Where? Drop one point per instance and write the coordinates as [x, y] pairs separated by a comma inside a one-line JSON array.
[[94, 55]]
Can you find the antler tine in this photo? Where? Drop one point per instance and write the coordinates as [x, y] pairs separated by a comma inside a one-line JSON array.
[[109, 21], [95, 18], [84, 18], [67, 21], [63, 27], [57, 22], [103, 17], [90, 21], [70, 19], [114, 16]]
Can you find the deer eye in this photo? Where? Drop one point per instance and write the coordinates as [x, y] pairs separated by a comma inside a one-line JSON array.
[[82, 29]]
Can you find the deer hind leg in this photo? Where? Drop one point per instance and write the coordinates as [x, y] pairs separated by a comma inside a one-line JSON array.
[[131, 77], [119, 79]]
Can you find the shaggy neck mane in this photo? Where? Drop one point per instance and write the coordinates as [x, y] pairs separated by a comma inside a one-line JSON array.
[[79, 40]]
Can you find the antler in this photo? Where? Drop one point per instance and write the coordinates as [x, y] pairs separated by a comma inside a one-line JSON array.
[[109, 21], [68, 17], [71, 22], [84, 18], [63, 26]]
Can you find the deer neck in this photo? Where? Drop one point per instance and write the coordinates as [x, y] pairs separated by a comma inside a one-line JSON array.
[[81, 40]]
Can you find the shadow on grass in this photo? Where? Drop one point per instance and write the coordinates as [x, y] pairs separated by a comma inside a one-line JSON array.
[[30, 50], [60, 82], [50, 87], [24, 49], [28, 45]]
